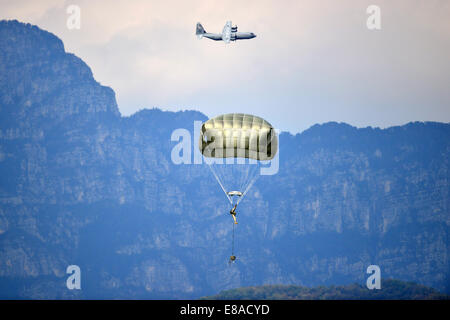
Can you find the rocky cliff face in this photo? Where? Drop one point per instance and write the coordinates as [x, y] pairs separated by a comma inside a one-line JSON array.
[[82, 185]]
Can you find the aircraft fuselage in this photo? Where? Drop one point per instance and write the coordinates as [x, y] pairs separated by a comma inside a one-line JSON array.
[[234, 36]]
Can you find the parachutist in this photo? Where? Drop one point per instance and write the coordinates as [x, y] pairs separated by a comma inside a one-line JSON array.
[[233, 213], [257, 141]]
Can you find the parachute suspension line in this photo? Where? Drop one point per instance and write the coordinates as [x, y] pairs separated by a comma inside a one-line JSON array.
[[235, 177], [252, 176], [220, 183], [250, 184], [244, 176]]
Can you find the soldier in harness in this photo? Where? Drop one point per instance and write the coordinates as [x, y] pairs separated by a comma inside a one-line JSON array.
[[233, 213], [233, 210]]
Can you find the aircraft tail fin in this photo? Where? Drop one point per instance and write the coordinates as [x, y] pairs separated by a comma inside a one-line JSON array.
[[199, 31]]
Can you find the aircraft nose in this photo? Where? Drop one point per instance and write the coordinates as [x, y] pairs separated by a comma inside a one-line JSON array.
[[254, 35]]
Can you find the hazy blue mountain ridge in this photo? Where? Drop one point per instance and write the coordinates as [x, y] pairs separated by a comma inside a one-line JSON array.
[[80, 184]]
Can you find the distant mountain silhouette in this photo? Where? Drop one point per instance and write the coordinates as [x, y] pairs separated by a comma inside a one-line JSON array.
[[80, 184]]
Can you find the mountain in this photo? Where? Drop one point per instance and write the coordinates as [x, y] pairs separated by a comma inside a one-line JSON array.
[[82, 185], [392, 290]]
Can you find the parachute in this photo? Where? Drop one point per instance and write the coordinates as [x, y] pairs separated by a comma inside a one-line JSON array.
[[238, 135], [235, 146]]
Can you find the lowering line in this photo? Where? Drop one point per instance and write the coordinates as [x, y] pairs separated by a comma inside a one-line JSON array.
[[233, 257], [232, 246]]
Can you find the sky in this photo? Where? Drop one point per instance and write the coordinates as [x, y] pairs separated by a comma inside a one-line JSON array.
[[312, 61]]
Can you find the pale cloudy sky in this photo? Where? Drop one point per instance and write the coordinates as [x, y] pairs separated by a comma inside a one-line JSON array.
[[312, 61]]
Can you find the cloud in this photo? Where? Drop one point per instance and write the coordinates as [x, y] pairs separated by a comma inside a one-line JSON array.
[[312, 61]]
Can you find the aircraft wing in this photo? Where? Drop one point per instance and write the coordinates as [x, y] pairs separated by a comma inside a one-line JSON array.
[[226, 33]]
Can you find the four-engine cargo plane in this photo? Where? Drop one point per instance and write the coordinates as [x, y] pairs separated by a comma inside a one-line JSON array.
[[228, 34]]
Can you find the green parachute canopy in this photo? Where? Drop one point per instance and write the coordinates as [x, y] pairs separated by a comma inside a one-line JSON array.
[[238, 135]]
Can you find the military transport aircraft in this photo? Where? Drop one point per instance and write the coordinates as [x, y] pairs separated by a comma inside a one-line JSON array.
[[228, 34]]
